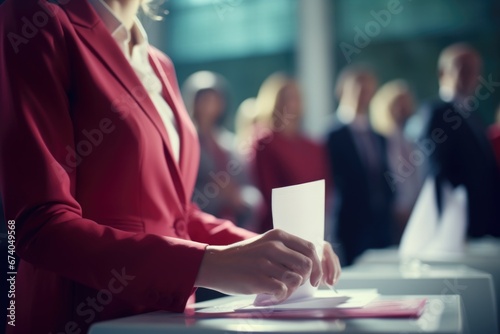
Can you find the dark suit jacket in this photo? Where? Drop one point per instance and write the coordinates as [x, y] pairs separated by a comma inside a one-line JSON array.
[[362, 207], [465, 157]]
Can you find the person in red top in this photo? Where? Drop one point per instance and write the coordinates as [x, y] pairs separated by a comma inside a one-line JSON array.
[[284, 156], [99, 161], [222, 187]]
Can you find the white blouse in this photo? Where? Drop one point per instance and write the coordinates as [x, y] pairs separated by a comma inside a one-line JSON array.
[[139, 60]]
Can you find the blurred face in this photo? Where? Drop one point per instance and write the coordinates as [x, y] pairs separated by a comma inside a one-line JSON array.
[[208, 107], [462, 74], [288, 111], [468, 69], [360, 90], [292, 101], [402, 108]]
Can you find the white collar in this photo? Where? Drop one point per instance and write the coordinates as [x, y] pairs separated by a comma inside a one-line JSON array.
[[117, 29]]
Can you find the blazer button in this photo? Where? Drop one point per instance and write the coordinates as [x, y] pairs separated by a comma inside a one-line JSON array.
[[180, 228]]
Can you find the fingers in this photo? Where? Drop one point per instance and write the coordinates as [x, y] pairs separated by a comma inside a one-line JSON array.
[[303, 247], [290, 260], [327, 265], [281, 273], [331, 265], [279, 289], [275, 264], [337, 269]]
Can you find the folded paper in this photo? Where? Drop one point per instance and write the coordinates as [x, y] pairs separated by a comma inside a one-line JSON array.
[[430, 235]]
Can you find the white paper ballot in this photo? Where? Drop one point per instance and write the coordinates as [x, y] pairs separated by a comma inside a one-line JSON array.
[[300, 210], [422, 225], [427, 235], [322, 299], [450, 235]]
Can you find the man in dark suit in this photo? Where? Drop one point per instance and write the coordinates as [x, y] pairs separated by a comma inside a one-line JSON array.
[[358, 158], [464, 156]]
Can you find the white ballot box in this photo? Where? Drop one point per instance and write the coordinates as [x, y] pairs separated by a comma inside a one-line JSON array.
[[481, 254], [440, 316], [475, 287]]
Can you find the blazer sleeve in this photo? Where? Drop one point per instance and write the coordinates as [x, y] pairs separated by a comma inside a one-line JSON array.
[[205, 228], [51, 234]]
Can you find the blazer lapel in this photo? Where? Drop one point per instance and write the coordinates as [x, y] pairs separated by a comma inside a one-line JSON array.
[[170, 98], [184, 123], [89, 26]]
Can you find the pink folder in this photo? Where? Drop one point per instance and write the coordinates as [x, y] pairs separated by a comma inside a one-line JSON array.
[[395, 308]]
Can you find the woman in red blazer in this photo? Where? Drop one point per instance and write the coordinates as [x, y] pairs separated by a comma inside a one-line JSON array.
[[284, 156], [100, 206]]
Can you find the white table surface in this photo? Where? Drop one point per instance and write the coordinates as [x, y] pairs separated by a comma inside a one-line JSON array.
[[474, 286], [441, 316], [482, 254]]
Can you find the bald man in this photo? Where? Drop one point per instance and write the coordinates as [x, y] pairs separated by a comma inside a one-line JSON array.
[[458, 150]]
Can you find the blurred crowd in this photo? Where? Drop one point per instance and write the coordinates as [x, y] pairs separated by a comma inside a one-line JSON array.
[[380, 149]]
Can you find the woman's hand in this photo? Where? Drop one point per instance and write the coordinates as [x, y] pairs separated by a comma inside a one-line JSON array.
[[274, 263]]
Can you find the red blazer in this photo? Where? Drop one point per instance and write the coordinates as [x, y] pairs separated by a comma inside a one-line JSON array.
[[104, 222]]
